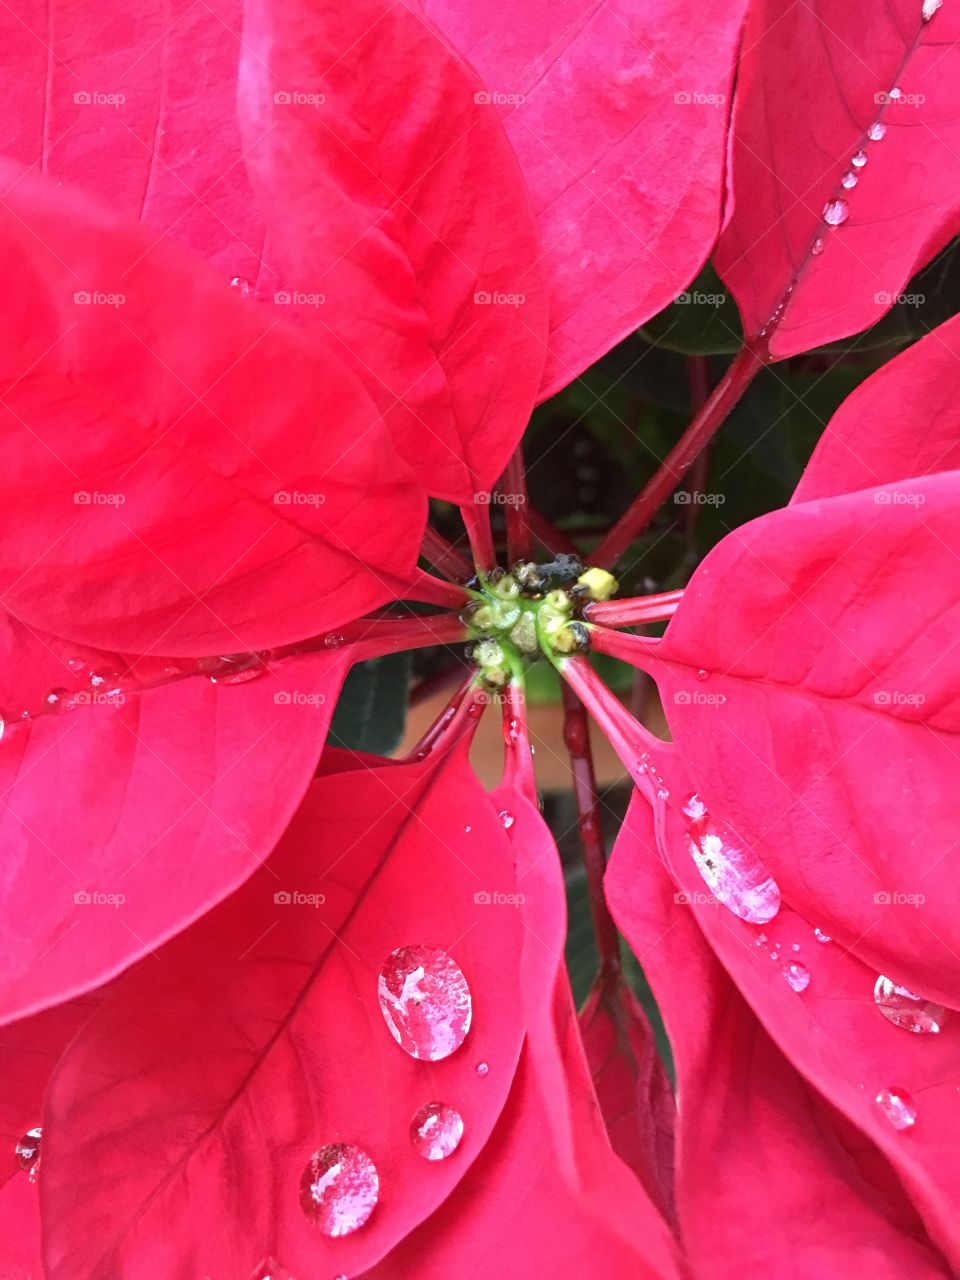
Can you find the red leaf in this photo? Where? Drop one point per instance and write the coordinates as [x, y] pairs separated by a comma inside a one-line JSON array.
[[547, 1196], [123, 823], [426, 242], [761, 1153], [178, 480], [200, 1091], [632, 1087], [826, 718], [903, 421], [111, 99], [617, 115], [814, 83]]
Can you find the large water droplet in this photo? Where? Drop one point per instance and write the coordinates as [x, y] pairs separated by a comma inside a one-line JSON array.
[[731, 870], [796, 975], [849, 180], [877, 131], [425, 1002], [339, 1189], [27, 1151], [436, 1130], [898, 1107], [904, 1009], [835, 212]]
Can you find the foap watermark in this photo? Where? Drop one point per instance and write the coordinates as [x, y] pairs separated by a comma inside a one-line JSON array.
[[295, 298], [483, 298], [299, 498], [698, 698], [98, 698], [897, 98], [898, 698], [694, 98], [884, 299], [96, 298], [697, 298], [294, 898], [497, 499], [298, 98], [497, 98], [894, 898], [899, 498], [94, 498], [94, 98], [696, 498], [494, 898], [694, 899], [294, 698], [97, 898]]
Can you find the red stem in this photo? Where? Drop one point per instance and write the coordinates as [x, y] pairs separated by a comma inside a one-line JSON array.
[[743, 369], [375, 637], [518, 771], [635, 610], [460, 705], [476, 517], [576, 736], [429, 590], [627, 736], [444, 556], [698, 378], [513, 487], [639, 651]]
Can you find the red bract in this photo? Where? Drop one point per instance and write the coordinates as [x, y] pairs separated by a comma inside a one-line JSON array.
[[844, 164], [617, 115]]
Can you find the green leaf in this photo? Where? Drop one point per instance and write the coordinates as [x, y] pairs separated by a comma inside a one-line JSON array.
[[372, 708]]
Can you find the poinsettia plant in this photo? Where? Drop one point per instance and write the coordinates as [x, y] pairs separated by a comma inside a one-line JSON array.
[[339, 332]]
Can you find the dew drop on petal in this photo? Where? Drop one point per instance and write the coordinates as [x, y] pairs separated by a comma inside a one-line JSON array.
[[930, 7], [849, 180], [103, 678], [895, 93], [475, 710], [482, 1068], [59, 700], [703, 674], [858, 159], [467, 829], [905, 1010], [333, 640], [796, 975], [761, 940], [425, 1002], [507, 818], [242, 286], [694, 807], [836, 212], [876, 131], [821, 936], [817, 247], [732, 871], [794, 946], [436, 1130], [339, 1189], [898, 1107], [27, 1151]]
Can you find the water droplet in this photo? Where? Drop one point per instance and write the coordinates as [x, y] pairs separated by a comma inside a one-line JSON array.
[[703, 674], [904, 1009], [102, 678], [858, 159], [836, 212], [436, 1130], [849, 180], [774, 955], [732, 871], [662, 793], [895, 93], [242, 286], [761, 940], [507, 819], [339, 1189], [59, 700], [898, 1107], [693, 806], [817, 247], [475, 710], [794, 946], [233, 668], [876, 131], [642, 768], [27, 1151], [76, 664], [930, 7], [821, 936], [425, 1002], [796, 975], [482, 1068], [333, 640], [513, 732]]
